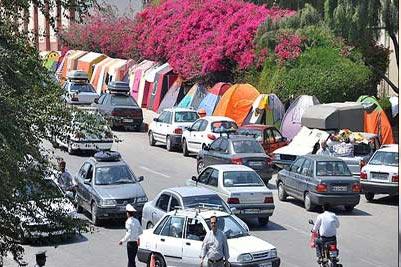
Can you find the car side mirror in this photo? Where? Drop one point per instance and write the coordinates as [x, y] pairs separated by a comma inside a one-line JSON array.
[[310, 221], [207, 148], [141, 178], [284, 139], [155, 119], [87, 181]]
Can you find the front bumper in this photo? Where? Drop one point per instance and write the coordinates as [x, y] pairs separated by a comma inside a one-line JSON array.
[[91, 145], [275, 262], [253, 210], [117, 212], [335, 200], [143, 255], [379, 188]]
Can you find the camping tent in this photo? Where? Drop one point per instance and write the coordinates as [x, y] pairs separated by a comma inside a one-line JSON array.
[[50, 61], [135, 75], [117, 71], [376, 121], [291, 123], [194, 97], [267, 109], [72, 61], [174, 94], [236, 102], [164, 78], [213, 97], [105, 74], [145, 84], [87, 62], [62, 66], [98, 74], [334, 116]]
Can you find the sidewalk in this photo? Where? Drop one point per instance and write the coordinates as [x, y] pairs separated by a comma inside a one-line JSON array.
[[148, 116]]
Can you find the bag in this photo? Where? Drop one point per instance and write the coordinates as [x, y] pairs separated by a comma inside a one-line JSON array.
[[313, 236]]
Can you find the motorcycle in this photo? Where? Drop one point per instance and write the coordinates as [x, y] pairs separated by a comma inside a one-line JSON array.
[[329, 251]]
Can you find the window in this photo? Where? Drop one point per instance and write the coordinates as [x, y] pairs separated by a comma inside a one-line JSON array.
[[230, 227], [332, 168], [216, 144], [296, 167], [174, 227], [101, 99], [213, 200], [204, 177], [82, 87], [277, 135], [247, 146], [83, 171], [160, 225], [174, 203], [168, 118], [90, 173], [162, 116], [241, 178], [162, 202], [117, 174], [224, 145], [195, 230], [257, 134], [269, 136], [196, 125], [214, 177], [222, 126], [307, 168], [385, 158], [123, 100], [185, 116], [203, 126]]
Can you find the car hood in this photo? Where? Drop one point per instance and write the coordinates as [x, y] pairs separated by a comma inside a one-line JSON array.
[[253, 244], [120, 191]]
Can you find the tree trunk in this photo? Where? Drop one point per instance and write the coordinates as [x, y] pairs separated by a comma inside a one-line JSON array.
[[384, 77], [395, 43]]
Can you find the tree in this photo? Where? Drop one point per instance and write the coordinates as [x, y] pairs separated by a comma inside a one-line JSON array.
[[29, 101]]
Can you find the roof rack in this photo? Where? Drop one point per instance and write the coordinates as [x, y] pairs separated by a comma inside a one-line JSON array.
[[78, 75], [199, 207], [118, 87]]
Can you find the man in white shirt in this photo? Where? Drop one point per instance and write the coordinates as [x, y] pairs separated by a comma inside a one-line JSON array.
[[326, 224], [134, 230], [323, 150]]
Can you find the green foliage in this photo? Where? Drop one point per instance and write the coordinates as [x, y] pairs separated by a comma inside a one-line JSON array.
[[384, 103]]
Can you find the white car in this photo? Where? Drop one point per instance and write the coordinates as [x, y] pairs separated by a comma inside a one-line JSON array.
[[380, 175], [241, 187], [204, 131], [168, 127], [176, 240], [78, 90]]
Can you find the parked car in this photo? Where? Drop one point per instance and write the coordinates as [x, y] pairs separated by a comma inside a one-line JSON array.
[[380, 175], [88, 131], [167, 128], [236, 149], [182, 197], [119, 107], [78, 90], [204, 131], [105, 185], [319, 180], [177, 238], [269, 136], [242, 188]]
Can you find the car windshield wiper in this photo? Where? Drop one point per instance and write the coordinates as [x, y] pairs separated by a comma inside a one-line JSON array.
[[124, 181]]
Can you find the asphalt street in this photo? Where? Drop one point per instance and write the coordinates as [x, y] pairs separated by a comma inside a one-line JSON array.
[[367, 237]]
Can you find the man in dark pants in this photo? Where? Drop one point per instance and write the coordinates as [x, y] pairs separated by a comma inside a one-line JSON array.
[[134, 230]]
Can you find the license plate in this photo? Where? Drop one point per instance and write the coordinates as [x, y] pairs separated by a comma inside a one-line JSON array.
[[255, 163], [333, 253], [128, 120], [266, 264], [379, 176], [251, 211], [339, 188], [121, 208]]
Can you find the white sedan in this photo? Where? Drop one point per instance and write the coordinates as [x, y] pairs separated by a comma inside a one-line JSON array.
[[380, 175], [176, 240], [204, 131]]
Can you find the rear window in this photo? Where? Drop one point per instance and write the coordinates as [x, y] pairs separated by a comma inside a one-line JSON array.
[[123, 100], [241, 178], [385, 158], [222, 126], [185, 116], [82, 87], [332, 168], [212, 200], [247, 146], [362, 149], [252, 132]]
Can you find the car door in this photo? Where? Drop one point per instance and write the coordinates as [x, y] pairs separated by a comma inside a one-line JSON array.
[[79, 179], [170, 241], [174, 203], [195, 232], [193, 143], [204, 136], [158, 130], [89, 182], [160, 208], [99, 105], [279, 140], [305, 177], [291, 182], [210, 156], [224, 156], [168, 125]]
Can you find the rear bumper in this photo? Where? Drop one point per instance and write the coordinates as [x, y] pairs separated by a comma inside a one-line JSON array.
[[127, 121], [143, 255], [335, 200], [379, 188], [275, 262], [253, 210]]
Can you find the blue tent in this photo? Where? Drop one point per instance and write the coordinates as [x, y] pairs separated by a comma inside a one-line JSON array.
[[213, 96], [193, 98]]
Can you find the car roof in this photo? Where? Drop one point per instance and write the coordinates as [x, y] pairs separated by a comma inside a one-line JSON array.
[[217, 118], [205, 213], [174, 109], [321, 157], [389, 148], [187, 191], [231, 167], [257, 126]]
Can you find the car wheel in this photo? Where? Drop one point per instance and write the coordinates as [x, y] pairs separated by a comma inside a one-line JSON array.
[[137, 128], [95, 219], [149, 225], [282, 195], [159, 261], [200, 166], [185, 151], [308, 203], [349, 208], [369, 196], [152, 141], [168, 144], [263, 221]]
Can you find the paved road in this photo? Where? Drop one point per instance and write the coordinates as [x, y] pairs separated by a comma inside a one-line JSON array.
[[367, 237]]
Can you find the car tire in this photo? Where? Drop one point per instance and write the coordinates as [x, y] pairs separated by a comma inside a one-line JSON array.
[[152, 141], [168, 144], [309, 206], [282, 195], [94, 218], [159, 261], [137, 128], [185, 151], [149, 225], [369, 196], [200, 166], [263, 221], [349, 208]]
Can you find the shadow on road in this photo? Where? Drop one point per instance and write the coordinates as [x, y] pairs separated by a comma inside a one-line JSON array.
[[386, 200], [271, 226], [59, 241]]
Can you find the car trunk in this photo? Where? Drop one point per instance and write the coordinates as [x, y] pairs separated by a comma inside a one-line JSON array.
[[339, 185], [253, 161], [86, 97], [249, 195], [127, 112]]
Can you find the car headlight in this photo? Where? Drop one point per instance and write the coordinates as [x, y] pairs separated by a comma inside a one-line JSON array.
[[107, 202], [273, 253], [142, 199], [244, 257]]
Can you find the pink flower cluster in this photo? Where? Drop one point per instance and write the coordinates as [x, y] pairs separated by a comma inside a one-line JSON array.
[[289, 47]]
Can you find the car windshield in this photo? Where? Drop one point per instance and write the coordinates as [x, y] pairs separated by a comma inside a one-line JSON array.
[[119, 174], [186, 116], [241, 179], [206, 200], [123, 100], [257, 134], [385, 158], [332, 168], [247, 146], [82, 87], [224, 126], [230, 227]]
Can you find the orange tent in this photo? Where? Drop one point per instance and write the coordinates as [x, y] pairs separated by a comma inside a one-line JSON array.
[[72, 61], [98, 75], [237, 102], [86, 62]]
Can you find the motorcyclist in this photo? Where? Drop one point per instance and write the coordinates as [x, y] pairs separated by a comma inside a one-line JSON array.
[[326, 224]]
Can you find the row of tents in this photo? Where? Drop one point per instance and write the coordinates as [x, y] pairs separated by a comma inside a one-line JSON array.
[[155, 86]]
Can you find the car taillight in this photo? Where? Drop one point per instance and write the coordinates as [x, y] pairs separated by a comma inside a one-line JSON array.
[[79, 135], [268, 200], [178, 131], [237, 161], [394, 178], [232, 200], [321, 188], [333, 247], [363, 175], [362, 163], [115, 113], [211, 137], [356, 188]]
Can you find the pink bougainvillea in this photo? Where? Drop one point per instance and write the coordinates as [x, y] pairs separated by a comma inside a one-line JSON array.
[[289, 47]]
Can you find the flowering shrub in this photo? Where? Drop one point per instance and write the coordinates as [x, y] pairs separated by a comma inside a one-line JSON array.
[[289, 47]]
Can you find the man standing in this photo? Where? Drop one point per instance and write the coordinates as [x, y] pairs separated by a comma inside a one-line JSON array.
[[323, 149], [327, 224], [65, 180], [215, 247], [134, 230]]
